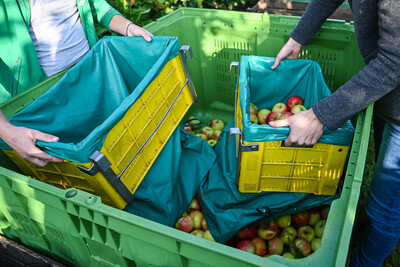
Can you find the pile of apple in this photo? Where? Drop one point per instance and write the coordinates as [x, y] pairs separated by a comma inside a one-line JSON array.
[[279, 111], [209, 133], [292, 236], [193, 221]]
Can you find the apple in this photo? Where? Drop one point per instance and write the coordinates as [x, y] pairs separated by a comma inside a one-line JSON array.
[[189, 129], [207, 235], [260, 247], [216, 134], [211, 142], [284, 221], [207, 131], [217, 124], [204, 224], [245, 245], [288, 234], [275, 246], [294, 100], [315, 216], [306, 232], [315, 243], [253, 109], [194, 120], [253, 118], [319, 228], [193, 205], [185, 224], [325, 212], [288, 255], [197, 217], [296, 109], [302, 245], [268, 230], [202, 136], [273, 116], [233, 241], [280, 107], [301, 218], [286, 115], [197, 232], [262, 115], [247, 233]]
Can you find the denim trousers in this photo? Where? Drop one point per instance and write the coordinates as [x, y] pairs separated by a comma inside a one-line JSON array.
[[383, 204]]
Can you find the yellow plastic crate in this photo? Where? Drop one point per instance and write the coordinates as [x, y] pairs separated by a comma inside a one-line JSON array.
[[132, 145], [270, 166]]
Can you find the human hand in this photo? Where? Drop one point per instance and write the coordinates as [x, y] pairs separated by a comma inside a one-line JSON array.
[[23, 141], [290, 50], [134, 30], [305, 128]]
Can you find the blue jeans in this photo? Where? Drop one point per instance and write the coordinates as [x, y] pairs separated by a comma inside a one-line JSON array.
[[383, 205]]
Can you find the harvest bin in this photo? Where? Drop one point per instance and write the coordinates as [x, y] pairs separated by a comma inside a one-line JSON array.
[[116, 119], [74, 227]]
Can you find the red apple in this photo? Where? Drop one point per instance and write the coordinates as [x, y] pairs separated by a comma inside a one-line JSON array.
[[315, 216], [273, 116], [284, 221], [306, 232], [253, 118], [247, 233], [303, 246], [202, 136], [325, 212], [245, 245], [197, 232], [233, 241], [260, 247], [268, 230], [288, 234], [301, 218], [204, 224], [197, 217], [315, 243], [207, 131], [194, 120], [217, 124], [280, 107], [296, 109], [189, 129], [294, 100], [216, 134], [211, 142], [275, 246], [319, 228], [207, 235], [286, 115], [253, 109], [193, 205], [262, 115], [185, 224]]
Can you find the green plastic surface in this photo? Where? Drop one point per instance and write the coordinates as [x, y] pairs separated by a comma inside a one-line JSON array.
[[73, 226]]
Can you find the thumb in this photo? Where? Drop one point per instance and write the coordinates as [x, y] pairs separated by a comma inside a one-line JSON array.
[[37, 135], [279, 123]]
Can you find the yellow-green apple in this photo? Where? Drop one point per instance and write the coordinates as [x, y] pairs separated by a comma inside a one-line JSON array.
[[247, 233], [315, 243], [315, 216], [198, 232], [185, 224], [275, 246], [193, 205], [253, 118], [253, 109], [288, 255], [262, 115], [325, 212], [207, 235], [273, 116], [217, 124], [202, 136], [319, 228], [284, 221], [288, 234], [204, 224], [216, 134], [189, 129], [268, 230], [207, 131], [302, 245], [294, 100], [286, 115], [197, 217], [193, 120], [301, 218], [280, 107], [260, 247], [211, 142], [245, 245], [296, 109], [306, 232]]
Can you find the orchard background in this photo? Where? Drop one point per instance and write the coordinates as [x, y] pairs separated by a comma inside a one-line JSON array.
[[142, 12]]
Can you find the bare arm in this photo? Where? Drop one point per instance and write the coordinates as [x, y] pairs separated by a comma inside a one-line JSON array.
[[125, 27]]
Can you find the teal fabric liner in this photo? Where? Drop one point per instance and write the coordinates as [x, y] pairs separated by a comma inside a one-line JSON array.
[[173, 179], [264, 87], [227, 210], [95, 94]]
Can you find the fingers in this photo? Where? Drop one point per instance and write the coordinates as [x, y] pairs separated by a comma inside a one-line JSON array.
[[146, 35], [276, 63], [37, 135], [37, 156], [280, 123]]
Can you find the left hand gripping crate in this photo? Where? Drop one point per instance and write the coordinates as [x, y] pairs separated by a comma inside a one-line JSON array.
[[114, 112], [264, 162]]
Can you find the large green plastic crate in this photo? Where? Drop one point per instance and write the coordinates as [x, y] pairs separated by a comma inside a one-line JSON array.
[[75, 228]]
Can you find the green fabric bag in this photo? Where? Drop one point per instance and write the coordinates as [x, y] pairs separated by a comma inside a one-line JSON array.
[[227, 210], [260, 85], [86, 103]]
